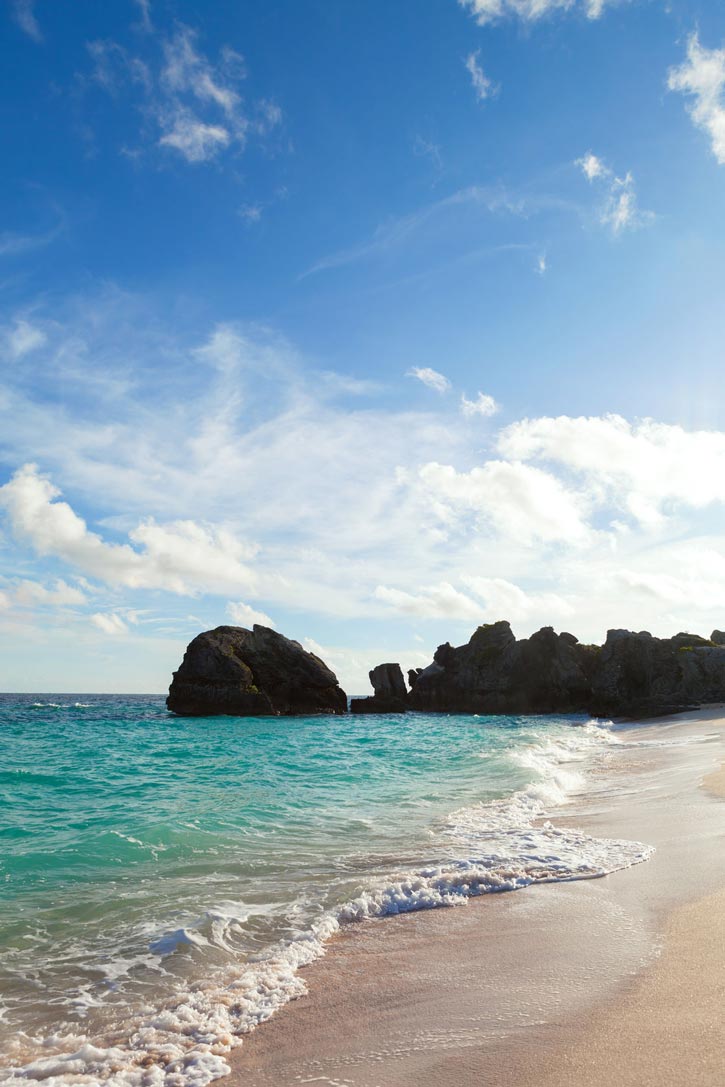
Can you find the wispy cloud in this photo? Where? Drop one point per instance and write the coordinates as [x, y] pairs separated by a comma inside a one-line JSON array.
[[193, 103], [488, 11], [430, 378], [620, 210], [24, 14], [482, 85], [22, 338], [483, 405], [702, 78], [144, 7], [394, 234]]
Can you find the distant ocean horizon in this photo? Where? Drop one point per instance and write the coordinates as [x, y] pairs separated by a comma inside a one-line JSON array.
[[163, 878]]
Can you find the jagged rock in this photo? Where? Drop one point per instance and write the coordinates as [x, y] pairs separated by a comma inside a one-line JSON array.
[[718, 637], [413, 674], [641, 676], [258, 672], [494, 673], [390, 695], [632, 675]]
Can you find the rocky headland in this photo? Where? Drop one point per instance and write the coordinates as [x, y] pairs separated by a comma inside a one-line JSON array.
[[259, 672]]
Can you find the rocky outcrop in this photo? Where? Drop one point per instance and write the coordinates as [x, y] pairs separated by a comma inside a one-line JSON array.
[[631, 675], [258, 672], [638, 675], [495, 673], [391, 695]]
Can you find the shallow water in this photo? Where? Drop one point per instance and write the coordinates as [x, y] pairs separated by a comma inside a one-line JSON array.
[[163, 878]]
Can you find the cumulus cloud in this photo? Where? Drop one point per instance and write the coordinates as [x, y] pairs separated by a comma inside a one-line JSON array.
[[438, 382], [619, 210], [245, 616], [182, 557], [702, 78], [644, 467], [488, 11], [482, 85], [24, 13], [483, 405], [521, 502]]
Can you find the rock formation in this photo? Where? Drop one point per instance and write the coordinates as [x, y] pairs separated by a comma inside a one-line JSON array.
[[641, 676], [631, 675], [495, 673], [391, 695], [255, 672]]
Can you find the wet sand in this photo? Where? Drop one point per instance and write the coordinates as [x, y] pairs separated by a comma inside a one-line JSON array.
[[614, 980]]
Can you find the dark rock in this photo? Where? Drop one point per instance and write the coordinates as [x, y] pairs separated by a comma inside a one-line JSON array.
[[388, 682], [390, 693], [641, 676], [496, 674], [632, 675], [718, 637], [255, 672], [413, 674]]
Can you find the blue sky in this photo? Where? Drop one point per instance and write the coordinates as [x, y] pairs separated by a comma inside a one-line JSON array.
[[379, 321]]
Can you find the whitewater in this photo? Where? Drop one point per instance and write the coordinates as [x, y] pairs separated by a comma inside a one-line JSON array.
[[164, 881]]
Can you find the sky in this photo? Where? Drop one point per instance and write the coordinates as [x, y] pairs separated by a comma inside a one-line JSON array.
[[369, 322]]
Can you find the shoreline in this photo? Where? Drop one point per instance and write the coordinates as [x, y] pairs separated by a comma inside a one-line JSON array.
[[529, 987]]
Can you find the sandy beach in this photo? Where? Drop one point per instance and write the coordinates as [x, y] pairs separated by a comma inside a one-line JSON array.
[[614, 980]]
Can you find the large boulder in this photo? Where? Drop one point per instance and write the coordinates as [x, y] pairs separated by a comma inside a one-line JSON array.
[[250, 673], [390, 695]]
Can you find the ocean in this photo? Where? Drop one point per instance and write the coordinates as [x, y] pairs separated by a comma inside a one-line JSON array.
[[163, 879]]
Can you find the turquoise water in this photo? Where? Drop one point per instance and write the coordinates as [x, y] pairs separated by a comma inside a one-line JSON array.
[[163, 878]]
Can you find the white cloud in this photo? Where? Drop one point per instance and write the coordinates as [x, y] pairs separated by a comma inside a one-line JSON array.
[[188, 71], [246, 616], [613, 518], [483, 405], [487, 11], [194, 103], [619, 210], [505, 600], [181, 557], [23, 338], [592, 167], [542, 265], [109, 622], [702, 77], [194, 140], [642, 467], [438, 382], [31, 594], [440, 601], [481, 83], [521, 502], [24, 12]]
